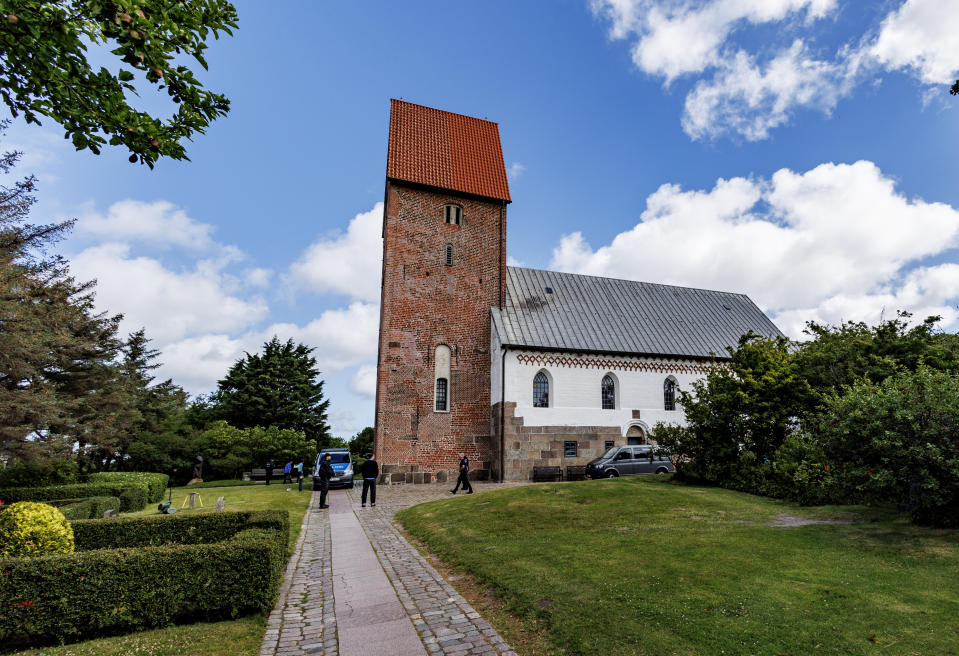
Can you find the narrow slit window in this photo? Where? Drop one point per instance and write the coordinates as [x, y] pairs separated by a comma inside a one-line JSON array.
[[540, 391], [609, 393], [442, 386], [669, 394], [449, 254], [454, 214]]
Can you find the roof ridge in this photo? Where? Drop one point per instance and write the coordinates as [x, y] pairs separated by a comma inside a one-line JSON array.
[[445, 111], [643, 282]]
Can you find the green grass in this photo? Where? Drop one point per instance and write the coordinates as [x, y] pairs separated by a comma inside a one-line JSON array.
[[645, 566], [241, 637], [246, 497]]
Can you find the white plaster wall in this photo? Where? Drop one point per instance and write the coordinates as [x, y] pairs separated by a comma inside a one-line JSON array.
[[575, 391]]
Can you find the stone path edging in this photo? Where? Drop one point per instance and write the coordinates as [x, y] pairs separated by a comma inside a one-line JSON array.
[[355, 585]]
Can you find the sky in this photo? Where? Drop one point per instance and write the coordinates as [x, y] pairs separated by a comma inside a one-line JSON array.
[[801, 152]]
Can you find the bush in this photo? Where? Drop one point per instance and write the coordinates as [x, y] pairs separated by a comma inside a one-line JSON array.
[[157, 530], [90, 508], [32, 474], [156, 483], [133, 496], [109, 591], [34, 529]]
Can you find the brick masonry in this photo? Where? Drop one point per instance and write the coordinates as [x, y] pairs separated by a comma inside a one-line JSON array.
[[526, 447], [427, 303]]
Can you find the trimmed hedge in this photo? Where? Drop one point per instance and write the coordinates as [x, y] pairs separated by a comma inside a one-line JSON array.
[[156, 483], [110, 591], [187, 528], [133, 496], [90, 508]]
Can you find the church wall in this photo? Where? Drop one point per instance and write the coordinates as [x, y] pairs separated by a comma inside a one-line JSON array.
[[537, 436], [426, 303]]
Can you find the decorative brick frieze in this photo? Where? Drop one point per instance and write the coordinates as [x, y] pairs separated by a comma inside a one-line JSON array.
[[583, 361]]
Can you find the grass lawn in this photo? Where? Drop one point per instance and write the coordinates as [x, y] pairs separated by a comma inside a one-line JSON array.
[[241, 637], [246, 497], [642, 565]]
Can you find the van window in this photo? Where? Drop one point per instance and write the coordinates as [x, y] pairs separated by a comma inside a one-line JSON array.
[[336, 457], [625, 454]]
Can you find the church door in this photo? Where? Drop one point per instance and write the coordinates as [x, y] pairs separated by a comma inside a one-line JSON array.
[[635, 435]]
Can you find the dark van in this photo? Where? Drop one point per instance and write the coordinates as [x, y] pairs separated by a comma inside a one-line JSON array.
[[630, 461]]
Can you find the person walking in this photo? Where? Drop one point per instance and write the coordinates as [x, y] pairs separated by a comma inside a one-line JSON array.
[[299, 475], [288, 473], [325, 473], [464, 477], [269, 470], [371, 470]]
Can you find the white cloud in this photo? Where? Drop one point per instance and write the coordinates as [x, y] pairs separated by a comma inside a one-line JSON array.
[[363, 382], [516, 169], [342, 337], [836, 242], [347, 263], [172, 305], [921, 36], [746, 99], [675, 38], [750, 90], [158, 224]]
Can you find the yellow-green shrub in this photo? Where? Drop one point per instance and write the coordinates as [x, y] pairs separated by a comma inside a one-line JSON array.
[[34, 529]]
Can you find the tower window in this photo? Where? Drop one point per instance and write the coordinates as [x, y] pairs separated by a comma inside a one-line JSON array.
[[540, 391], [669, 394], [454, 214], [449, 253], [608, 388], [441, 389]]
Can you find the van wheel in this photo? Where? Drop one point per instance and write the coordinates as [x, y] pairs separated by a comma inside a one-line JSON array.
[[662, 470], [612, 473]]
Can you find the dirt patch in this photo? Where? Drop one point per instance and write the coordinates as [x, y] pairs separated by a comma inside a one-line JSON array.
[[789, 521], [544, 603]]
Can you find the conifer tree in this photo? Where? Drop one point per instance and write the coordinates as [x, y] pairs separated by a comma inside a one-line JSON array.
[[280, 388]]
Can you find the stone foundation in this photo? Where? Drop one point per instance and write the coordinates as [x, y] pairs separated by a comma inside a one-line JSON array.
[[397, 474], [526, 447]]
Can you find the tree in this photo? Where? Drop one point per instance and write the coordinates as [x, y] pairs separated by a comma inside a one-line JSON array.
[[955, 89], [45, 69], [280, 388], [362, 443], [57, 380]]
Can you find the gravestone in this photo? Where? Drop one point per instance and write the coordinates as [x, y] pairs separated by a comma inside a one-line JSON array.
[[220, 504], [111, 513]]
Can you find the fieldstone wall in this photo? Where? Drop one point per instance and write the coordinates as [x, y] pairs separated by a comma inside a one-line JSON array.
[[526, 447]]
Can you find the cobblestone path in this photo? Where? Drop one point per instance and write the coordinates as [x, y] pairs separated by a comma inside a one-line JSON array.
[[321, 583]]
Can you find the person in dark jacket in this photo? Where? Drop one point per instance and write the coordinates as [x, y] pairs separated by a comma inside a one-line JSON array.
[[371, 470], [464, 477], [269, 470], [326, 473]]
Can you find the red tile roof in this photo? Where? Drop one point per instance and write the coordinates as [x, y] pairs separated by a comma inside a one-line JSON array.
[[450, 151]]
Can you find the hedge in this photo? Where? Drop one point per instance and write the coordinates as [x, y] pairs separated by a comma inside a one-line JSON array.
[[156, 483], [133, 496], [90, 508], [110, 591], [187, 528]]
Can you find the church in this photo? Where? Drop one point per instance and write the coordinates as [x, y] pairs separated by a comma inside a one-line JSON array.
[[515, 367]]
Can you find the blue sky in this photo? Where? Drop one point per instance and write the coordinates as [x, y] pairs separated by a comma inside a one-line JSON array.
[[799, 151]]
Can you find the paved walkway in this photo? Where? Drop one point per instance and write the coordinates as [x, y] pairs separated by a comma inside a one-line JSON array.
[[356, 587]]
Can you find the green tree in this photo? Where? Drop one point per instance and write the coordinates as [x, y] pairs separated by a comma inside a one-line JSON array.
[[45, 69], [226, 450], [361, 444], [58, 385], [896, 441], [280, 388]]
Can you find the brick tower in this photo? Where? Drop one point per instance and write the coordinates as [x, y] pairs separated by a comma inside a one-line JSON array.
[[444, 266]]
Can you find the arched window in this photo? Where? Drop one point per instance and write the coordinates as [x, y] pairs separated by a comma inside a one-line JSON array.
[[441, 376], [669, 394], [441, 395], [609, 393], [449, 253], [453, 214], [540, 390]]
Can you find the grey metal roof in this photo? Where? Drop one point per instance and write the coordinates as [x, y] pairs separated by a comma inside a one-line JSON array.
[[606, 315]]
